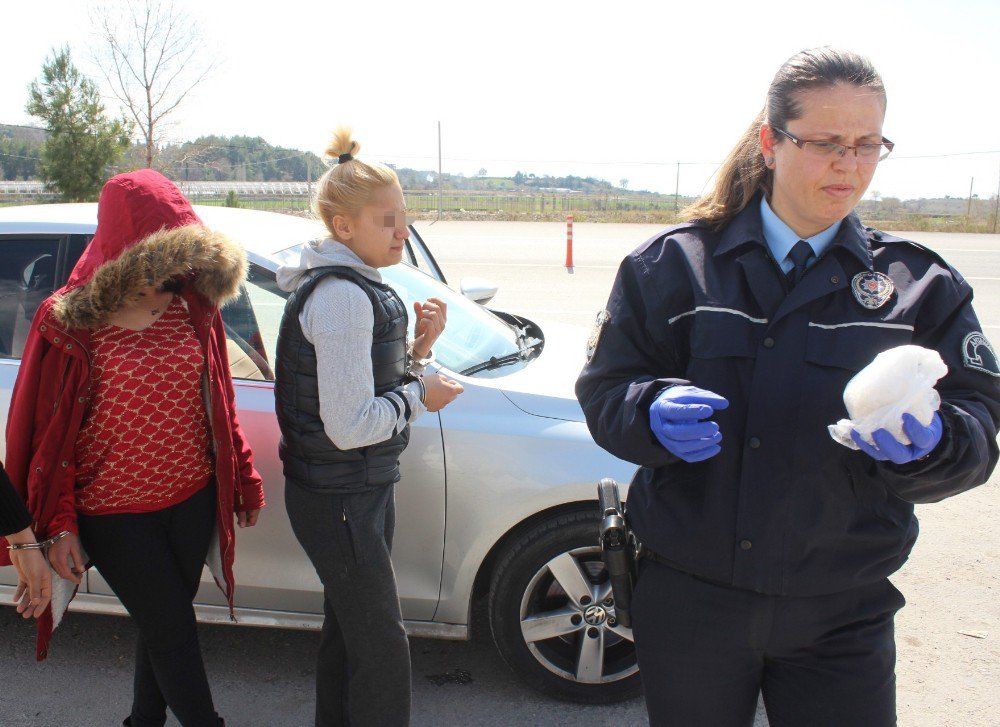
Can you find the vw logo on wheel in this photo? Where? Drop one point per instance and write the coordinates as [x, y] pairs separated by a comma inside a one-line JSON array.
[[595, 615]]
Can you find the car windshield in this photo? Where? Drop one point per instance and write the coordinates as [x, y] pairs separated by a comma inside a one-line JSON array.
[[473, 334]]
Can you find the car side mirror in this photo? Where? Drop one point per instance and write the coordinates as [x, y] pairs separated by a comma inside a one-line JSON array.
[[478, 290]]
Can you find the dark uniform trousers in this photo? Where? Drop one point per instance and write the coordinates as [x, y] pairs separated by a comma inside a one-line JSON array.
[[706, 650]]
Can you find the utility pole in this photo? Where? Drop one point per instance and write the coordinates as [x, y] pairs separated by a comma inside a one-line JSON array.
[[677, 186], [440, 176], [996, 208], [968, 210]]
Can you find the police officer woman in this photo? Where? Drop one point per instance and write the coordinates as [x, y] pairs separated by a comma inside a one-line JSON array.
[[717, 366]]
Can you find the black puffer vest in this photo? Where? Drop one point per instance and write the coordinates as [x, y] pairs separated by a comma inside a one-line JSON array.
[[310, 459]]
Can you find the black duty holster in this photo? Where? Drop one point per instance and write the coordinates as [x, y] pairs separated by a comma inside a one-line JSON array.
[[618, 549]]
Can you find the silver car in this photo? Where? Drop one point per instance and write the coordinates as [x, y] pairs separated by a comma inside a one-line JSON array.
[[498, 491]]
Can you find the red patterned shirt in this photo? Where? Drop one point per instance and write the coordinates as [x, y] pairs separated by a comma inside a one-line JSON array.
[[145, 443]]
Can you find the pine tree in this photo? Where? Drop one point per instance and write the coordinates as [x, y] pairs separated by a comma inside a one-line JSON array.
[[83, 142]]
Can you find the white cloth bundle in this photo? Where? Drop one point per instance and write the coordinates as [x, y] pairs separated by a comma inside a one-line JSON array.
[[898, 381]]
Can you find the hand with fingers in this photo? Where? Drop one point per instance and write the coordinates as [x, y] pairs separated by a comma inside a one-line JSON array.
[[923, 440], [247, 518], [440, 391], [679, 419], [34, 577], [431, 319], [66, 558]]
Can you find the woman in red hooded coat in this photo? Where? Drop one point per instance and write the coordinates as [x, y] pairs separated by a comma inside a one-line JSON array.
[[122, 435]]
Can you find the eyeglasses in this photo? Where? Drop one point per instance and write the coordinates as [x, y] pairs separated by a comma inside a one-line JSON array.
[[391, 219], [865, 153]]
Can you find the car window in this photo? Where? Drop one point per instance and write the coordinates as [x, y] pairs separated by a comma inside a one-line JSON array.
[[473, 334], [251, 323], [247, 357], [27, 277], [420, 257]]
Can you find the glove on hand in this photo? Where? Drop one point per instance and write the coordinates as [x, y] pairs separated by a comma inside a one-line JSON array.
[[676, 419], [887, 447]]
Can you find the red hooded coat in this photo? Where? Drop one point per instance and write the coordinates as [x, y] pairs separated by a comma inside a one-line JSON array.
[[146, 232]]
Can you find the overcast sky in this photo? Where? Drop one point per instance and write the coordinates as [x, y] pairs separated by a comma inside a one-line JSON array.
[[616, 90]]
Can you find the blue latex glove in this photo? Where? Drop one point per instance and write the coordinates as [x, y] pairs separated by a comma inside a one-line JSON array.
[[887, 447], [678, 420]]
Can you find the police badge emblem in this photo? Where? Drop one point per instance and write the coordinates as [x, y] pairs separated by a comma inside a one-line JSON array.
[[595, 335], [978, 354], [872, 290]]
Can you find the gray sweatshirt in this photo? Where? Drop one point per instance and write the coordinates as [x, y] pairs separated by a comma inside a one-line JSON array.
[[337, 320]]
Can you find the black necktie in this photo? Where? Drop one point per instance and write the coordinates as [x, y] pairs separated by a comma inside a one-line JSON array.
[[800, 255]]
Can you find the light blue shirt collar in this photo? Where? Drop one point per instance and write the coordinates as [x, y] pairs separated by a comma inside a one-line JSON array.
[[780, 237]]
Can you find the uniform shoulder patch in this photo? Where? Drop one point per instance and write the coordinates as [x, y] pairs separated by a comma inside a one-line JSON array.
[[595, 335], [978, 354]]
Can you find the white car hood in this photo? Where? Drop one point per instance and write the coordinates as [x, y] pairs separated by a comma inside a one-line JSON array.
[[545, 386]]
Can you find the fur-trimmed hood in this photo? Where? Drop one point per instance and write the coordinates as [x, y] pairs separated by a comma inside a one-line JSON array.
[[209, 261], [147, 232]]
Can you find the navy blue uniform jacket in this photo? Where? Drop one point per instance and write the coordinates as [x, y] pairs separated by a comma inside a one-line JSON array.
[[783, 509]]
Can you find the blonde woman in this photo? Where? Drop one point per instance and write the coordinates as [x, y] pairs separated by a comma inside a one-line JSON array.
[[348, 385]]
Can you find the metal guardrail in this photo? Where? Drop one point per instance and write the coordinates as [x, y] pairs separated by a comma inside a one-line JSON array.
[[23, 188], [194, 189]]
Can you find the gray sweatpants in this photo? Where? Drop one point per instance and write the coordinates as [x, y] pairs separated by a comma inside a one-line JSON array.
[[363, 667]]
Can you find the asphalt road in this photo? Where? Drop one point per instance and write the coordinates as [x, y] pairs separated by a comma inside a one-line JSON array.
[[264, 676]]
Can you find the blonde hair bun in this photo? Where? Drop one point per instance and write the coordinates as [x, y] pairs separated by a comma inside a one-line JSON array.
[[341, 143]]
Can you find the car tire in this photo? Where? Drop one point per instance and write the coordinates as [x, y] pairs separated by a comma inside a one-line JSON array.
[[566, 646]]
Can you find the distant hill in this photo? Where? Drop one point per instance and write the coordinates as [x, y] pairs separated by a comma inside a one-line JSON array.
[[237, 158], [23, 133], [425, 179], [20, 150]]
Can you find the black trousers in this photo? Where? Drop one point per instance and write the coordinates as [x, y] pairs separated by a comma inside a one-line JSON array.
[[706, 650], [153, 563], [363, 665]]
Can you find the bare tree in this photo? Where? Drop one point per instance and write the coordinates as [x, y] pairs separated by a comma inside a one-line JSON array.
[[152, 56]]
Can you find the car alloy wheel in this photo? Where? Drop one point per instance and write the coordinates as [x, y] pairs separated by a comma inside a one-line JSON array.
[[568, 620], [553, 614]]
